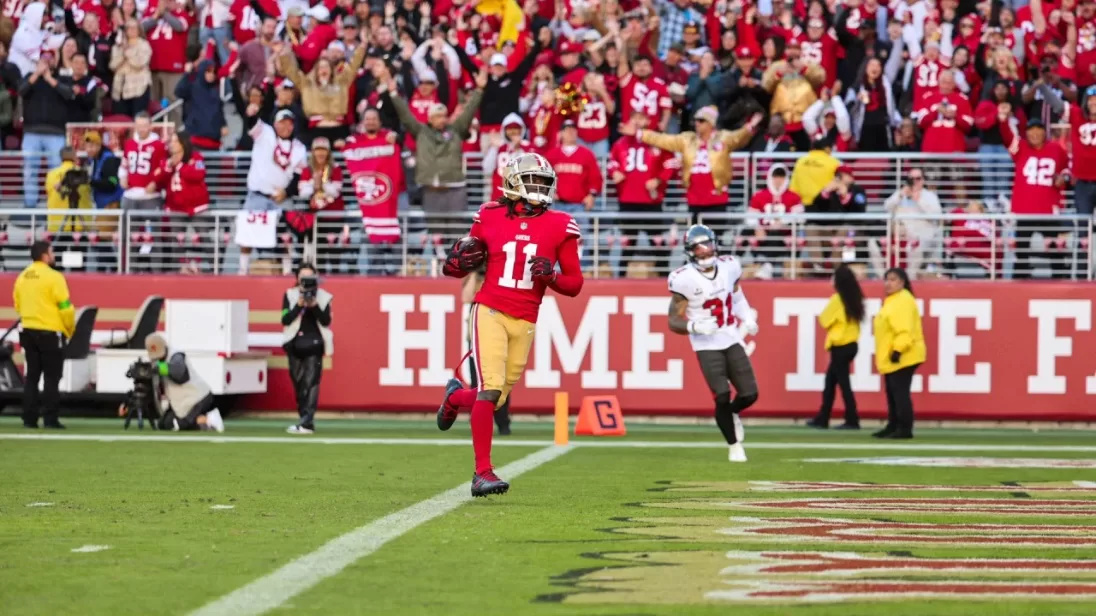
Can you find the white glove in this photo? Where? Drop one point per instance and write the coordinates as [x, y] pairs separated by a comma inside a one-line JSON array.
[[750, 328], [703, 327]]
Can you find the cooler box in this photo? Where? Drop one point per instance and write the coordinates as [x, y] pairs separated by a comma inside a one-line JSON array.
[[214, 326]]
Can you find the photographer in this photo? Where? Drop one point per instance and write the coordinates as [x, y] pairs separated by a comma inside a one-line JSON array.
[[916, 236], [67, 189], [307, 338], [190, 400]]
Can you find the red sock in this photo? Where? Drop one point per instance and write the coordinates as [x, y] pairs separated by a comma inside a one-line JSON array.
[[463, 398], [483, 427]]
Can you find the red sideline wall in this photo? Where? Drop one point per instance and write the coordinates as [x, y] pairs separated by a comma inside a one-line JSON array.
[[996, 350]]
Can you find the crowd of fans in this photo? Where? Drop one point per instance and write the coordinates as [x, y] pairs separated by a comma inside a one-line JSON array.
[[575, 80]]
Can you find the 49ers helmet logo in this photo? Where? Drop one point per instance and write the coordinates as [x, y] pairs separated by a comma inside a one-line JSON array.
[[372, 188]]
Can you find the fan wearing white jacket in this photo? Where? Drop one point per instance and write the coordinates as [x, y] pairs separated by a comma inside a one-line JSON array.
[[32, 37]]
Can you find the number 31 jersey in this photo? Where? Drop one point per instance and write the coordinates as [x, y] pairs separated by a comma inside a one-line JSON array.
[[709, 296], [508, 285]]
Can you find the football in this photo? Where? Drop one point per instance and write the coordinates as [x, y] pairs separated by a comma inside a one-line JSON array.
[[473, 251]]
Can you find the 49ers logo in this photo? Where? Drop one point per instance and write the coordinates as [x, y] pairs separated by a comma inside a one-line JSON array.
[[372, 188]]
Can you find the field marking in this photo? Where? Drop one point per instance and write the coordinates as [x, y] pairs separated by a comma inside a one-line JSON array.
[[88, 549], [294, 578], [450, 442], [222, 507], [931, 462], [39, 504]]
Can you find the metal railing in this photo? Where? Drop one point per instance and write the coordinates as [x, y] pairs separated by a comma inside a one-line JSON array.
[[957, 179], [792, 246]]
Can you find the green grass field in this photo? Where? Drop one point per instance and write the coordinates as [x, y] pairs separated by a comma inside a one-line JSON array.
[[657, 522]]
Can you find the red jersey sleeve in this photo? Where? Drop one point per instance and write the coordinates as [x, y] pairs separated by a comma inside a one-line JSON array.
[[593, 170], [570, 280]]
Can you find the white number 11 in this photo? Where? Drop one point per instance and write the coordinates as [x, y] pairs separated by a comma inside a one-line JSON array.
[[507, 281]]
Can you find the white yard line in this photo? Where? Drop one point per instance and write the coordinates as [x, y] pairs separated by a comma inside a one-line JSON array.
[[273, 590], [499, 442]]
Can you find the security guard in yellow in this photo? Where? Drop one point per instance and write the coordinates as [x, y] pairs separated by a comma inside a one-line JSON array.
[[42, 300]]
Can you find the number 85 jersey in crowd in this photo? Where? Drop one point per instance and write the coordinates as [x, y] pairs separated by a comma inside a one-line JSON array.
[[512, 241], [709, 295]]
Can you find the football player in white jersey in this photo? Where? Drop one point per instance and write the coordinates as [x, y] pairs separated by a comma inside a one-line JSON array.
[[708, 305]]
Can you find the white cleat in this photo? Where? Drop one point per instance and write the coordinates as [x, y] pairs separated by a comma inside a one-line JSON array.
[[215, 421], [298, 430], [739, 431], [737, 453]]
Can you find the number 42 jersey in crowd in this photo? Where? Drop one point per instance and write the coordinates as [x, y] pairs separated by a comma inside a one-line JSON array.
[[512, 241], [709, 296]]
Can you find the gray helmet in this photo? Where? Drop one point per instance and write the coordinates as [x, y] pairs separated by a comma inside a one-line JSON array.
[[530, 178], [701, 246]]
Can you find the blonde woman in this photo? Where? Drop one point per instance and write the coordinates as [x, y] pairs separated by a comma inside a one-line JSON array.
[[132, 78]]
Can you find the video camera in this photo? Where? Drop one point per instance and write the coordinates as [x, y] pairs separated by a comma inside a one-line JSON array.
[[310, 285], [143, 400]]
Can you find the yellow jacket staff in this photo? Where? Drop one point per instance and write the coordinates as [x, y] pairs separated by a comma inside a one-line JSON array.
[[839, 330], [898, 328], [41, 298]]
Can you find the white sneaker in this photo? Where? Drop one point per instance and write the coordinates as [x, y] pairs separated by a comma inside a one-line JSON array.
[[737, 453], [739, 431], [298, 430], [215, 421]]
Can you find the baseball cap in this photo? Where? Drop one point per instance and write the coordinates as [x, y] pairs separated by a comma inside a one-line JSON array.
[[498, 59], [350, 22], [1036, 123], [287, 84], [93, 136], [437, 109], [295, 11], [692, 25], [707, 114], [569, 124], [284, 114], [744, 52], [428, 76], [321, 143], [319, 13], [847, 170]]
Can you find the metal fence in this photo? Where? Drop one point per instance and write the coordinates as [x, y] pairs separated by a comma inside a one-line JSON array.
[[792, 246]]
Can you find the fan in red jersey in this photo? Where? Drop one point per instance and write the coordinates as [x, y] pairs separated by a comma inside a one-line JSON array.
[[168, 39], [143, 155], [640, 92], [1037, 189], [946, 118], [977, 239], [374, 160], [819, 47], [593, 122], [771, 235], [927, 70], [522, 241], [577, 171], [183, 177], [641, 173], [1082, 123]]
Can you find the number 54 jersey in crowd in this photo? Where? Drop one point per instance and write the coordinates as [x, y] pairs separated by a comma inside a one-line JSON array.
[[709, 296], [512, 242]]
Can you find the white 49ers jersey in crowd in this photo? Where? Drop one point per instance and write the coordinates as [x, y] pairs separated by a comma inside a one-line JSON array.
[[709, 296]]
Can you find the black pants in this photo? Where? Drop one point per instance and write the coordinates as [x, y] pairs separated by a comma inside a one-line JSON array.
[[723, 369], [188, 420], [899, 402], [306, 371], [43, 352], [837, 375], [630, 228], [1059, 259]]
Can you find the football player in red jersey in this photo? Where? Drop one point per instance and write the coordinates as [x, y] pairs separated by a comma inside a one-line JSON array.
[[522, 241], [1038, 186]]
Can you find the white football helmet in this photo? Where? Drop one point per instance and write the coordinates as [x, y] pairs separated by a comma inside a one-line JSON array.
[[530, 178]]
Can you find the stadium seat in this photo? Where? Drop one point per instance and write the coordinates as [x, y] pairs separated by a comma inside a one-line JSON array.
[[144, 323]]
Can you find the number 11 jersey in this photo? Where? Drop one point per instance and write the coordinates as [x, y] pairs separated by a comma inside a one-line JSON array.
[[709, 296], [508, 285]]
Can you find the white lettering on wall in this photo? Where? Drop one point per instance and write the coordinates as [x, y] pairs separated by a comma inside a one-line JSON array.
[[592, 335], [1050, 345], [950, 345], [401, 340], [645, 343], [806, 310]]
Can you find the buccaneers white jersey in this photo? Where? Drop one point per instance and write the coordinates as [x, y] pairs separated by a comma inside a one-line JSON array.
[[709, 296]]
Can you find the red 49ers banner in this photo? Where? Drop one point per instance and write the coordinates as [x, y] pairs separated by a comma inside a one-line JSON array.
[[1007, 350]]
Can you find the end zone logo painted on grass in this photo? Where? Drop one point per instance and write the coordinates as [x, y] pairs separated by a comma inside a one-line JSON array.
[[957, 506], [814, 577], [821, 530], [965, 462]]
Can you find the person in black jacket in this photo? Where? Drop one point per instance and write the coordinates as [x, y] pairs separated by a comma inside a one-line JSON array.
[[503, 91], [843, 196], [740, 92], [306, 338], [9, 92], [86, 90], [45, 112], [92, 43]]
